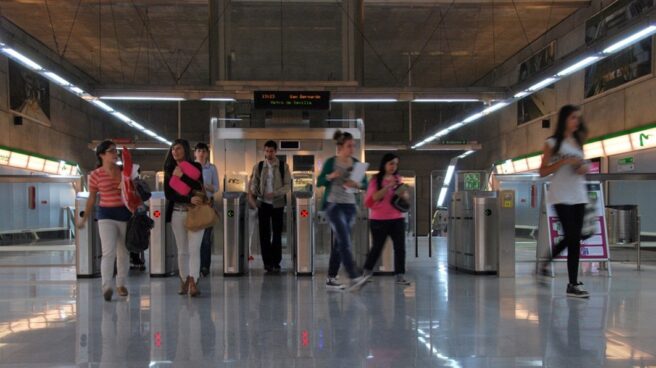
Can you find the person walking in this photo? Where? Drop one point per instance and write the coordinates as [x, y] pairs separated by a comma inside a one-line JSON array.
[[563, 159], [339, 206], [271, 180], [183, 181], [211, 183], [384, 219], [112, 216]]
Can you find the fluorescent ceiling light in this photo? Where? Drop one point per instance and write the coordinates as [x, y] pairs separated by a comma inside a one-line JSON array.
[[137, 125], [473, 117], [102, 105], [542, 84], [578, 66], [151, 148], [442, 197], [445, 100], [441, 133], [521, 94], [365, 100], [22, 58], [494, 107], [449, 175], [456, 126], [466, 154], [150, 133], [77, 90], [141, 98], [162, 139], [219, 99], [646, 32], [122, 117], [57, 79]]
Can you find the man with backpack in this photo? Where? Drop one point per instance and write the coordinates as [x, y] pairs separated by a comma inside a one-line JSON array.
[[270, 184]]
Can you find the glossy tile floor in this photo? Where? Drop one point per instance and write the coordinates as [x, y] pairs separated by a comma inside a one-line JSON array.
[[445, 319]]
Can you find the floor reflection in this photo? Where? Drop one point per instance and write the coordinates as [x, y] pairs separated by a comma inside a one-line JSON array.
[[444, 319]]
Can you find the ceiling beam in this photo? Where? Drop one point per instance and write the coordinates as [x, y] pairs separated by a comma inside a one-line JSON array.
[[243, 90]]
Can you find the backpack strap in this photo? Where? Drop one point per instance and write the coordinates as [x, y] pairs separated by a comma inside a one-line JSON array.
[[281, 168]]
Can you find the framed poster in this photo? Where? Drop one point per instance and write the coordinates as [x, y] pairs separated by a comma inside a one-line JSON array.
[[543, 102], [613, 17], [29, 94], [619, 68]]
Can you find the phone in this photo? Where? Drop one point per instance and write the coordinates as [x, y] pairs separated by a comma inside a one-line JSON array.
[[401, 188]]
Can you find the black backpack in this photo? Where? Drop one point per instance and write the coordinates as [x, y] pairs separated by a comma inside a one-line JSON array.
[[137, 237]]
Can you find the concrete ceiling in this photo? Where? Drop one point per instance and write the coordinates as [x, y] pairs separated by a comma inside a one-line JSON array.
[[164, 42]]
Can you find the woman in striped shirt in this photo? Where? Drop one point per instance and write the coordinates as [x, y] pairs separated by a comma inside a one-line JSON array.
[[112, 216]]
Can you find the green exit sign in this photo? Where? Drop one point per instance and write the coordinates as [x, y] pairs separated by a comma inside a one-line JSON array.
[[626, 161]]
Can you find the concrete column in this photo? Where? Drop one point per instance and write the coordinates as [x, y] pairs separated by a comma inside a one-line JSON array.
[[219, 48], [352, 41]]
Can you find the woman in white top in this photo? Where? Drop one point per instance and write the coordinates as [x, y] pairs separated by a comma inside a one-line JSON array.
[[563, 157]]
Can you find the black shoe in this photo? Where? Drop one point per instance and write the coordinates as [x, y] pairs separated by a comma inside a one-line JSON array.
[[276, 269], [576, 291], [204, 271]]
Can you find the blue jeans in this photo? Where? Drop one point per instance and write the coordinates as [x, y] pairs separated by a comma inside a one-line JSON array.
[[341, 216]]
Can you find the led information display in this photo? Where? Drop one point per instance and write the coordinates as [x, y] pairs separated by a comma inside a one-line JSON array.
[[291, 100]]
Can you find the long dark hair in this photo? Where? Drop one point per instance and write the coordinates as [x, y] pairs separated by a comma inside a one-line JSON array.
[[101, 149], [170, 163], [559, 136], [381, 169]]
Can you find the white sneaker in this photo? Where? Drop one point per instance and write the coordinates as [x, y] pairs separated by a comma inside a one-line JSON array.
[[333, 285], [357, 282]]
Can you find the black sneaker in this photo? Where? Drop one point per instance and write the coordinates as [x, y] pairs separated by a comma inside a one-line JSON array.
[[107, 294], [333, 285], [276, 269], [576, 291], [204, 271], [357, 282]]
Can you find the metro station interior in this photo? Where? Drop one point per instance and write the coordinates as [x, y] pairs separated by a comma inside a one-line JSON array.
[[472, 100]]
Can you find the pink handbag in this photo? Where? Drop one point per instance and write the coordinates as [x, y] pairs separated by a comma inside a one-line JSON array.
[[189, 170]]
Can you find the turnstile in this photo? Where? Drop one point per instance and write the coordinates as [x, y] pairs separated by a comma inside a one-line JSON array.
[[163, 253], [87, 242], [303, 250], [235, 233], [481, 232]]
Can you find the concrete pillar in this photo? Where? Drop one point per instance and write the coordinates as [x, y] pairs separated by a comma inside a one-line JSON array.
[[352, 41], [219, 40]]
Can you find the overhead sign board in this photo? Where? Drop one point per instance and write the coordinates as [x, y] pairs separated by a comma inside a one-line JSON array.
[[291, 100]]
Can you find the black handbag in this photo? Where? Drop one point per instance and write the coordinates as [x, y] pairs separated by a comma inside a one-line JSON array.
[[398, 202]]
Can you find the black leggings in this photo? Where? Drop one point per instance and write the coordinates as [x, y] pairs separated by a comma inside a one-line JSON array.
[[571, 219], [380, 230]]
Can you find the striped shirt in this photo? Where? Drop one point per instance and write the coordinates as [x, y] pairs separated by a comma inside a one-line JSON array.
[[108, 187]]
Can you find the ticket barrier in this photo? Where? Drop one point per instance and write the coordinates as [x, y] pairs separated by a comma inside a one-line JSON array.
[[235, 234], [482, 232], [303, 204], [163, 253], [87, 242]]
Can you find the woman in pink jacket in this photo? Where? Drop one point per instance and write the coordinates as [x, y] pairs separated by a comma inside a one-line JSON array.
[[384, 219]]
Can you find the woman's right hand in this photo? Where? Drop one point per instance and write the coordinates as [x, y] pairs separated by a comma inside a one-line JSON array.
[[196, 201], [177, 172], [81, 223], [332, 175]]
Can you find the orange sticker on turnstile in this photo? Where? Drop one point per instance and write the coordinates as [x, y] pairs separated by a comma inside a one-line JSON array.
[[304, 213], [157, 214]]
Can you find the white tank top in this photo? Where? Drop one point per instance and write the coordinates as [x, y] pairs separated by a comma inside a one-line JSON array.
[[566, 186]]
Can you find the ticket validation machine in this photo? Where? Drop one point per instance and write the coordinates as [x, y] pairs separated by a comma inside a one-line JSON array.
[[235, 226], [303, 224], [87, 242], [163, 252]]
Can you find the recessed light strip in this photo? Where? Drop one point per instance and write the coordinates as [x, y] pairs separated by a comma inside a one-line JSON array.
[[31, 64]]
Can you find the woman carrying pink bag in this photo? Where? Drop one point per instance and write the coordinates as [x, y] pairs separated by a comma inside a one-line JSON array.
[[183, 178]]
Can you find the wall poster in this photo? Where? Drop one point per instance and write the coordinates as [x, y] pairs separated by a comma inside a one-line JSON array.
[[623, 66], [29, 94], [543, 102]]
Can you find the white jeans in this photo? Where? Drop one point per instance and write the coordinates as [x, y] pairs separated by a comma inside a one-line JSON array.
[[188, 243], [112, 242]]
